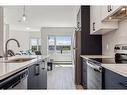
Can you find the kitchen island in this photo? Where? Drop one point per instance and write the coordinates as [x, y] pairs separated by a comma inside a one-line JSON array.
[[7, 69]]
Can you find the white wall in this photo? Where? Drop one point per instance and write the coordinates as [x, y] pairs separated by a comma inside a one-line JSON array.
[[115, 37], [35, 34], [55, 31], [23, 37], [1, 31]]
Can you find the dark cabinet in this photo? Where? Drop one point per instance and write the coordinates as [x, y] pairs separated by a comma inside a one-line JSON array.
[[89, 44], [37, 78], [43, 73], [84, 73], [112, 80]]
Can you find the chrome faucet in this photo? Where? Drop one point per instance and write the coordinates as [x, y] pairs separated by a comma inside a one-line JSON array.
[[6, 49]]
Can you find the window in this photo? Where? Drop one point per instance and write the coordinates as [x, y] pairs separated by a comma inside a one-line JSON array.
[[35, 44], [51, 41], [59, 44]]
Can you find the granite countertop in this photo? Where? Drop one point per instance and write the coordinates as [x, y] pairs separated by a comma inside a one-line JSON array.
[[7, 69], [96, 56]]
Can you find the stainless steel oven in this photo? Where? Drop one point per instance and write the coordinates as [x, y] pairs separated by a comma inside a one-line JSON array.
[[94, 75]]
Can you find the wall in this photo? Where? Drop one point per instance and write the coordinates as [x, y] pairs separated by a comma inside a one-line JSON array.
[[23, 37], [55, 31], [1, 31], [115, 37]]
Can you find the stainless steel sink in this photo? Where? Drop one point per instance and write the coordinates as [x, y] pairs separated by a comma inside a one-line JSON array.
[[18, 60]]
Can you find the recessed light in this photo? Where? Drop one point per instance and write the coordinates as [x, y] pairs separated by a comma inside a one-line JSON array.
[[27, 28], [110, 18]]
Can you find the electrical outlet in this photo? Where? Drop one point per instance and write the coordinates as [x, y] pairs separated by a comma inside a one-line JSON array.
[[107, 47]]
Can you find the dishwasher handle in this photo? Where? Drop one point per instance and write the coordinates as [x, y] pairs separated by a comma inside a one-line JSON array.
[[94, 66]]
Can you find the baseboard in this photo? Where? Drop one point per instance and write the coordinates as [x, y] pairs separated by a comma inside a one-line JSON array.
[[62, 61]]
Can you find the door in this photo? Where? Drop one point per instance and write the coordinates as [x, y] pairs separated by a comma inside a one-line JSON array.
[[60, 46], [77, 57]]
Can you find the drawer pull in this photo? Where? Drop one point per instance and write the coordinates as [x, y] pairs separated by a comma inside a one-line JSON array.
[[123, 85]]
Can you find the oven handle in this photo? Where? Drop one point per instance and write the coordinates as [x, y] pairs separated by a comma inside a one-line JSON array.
[[95, 67]]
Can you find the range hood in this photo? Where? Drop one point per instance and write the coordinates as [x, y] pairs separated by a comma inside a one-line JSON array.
[[118, 15]]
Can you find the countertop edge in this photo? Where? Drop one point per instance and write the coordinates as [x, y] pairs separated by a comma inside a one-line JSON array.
[[22, 67], [115, 70], [95, 56]]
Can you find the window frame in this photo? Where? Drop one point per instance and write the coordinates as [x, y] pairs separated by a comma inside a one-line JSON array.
[[30, 45], [55, 50]]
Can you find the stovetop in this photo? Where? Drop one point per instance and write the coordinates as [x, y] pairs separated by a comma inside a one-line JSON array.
[[100, 61]]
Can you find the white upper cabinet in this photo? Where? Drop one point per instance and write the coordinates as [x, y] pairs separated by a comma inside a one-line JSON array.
[[96, 24], [107, 11]]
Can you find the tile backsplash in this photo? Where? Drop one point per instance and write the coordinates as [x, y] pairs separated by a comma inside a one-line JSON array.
[[110, 39]]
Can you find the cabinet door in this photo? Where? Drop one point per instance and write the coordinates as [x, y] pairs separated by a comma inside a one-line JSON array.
[[92, 20], [95, 19], [113, 80], [33, 77], [105, 10], [96, 24], [115, 8], [37, 78], [108, 10], [43, 75]]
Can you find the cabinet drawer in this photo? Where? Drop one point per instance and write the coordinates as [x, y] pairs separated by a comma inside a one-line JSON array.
[[114, 80]]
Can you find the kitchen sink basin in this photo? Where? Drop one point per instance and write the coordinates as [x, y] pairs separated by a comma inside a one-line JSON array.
[[18, 60]]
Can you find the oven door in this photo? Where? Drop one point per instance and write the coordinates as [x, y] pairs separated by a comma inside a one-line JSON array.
[[94, 76]]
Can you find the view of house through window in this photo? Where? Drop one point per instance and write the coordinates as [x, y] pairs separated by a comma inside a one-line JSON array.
[[35, 44], [59, 44]]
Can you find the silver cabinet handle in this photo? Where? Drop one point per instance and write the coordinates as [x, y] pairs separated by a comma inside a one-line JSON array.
[[93, 26], [123, 84], [108, 8], [37, 69], [43, 64]]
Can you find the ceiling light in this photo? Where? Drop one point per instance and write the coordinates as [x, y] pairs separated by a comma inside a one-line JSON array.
[[110, 18], [27, 28]]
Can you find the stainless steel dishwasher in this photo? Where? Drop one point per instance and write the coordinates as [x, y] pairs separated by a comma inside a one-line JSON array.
[[15, 81], [94, 75]]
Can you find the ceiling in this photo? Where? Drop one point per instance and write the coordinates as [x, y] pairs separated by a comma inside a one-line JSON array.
[[40, 16]]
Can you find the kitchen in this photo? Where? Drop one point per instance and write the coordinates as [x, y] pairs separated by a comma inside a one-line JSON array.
[[101, 65], [24, 39], [99, 51]]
